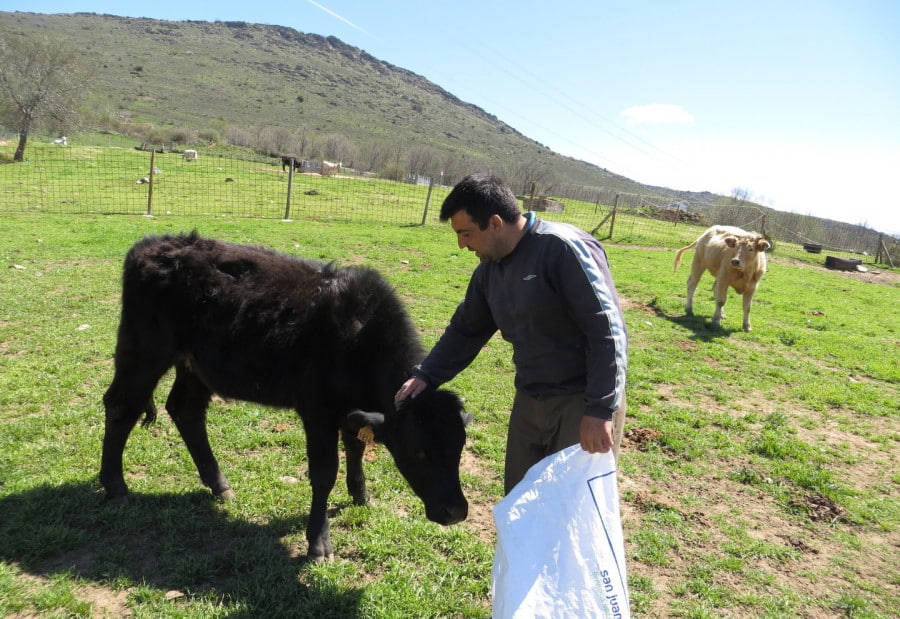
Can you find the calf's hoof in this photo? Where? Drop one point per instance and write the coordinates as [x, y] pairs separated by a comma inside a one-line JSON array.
[[362, 499], [226, 495], [118, 499], [320, 550]]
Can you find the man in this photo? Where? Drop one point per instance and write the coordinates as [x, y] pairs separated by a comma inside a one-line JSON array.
[[547, 287]]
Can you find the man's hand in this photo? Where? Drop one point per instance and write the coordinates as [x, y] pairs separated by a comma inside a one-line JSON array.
[[596, 434], [410, 389]]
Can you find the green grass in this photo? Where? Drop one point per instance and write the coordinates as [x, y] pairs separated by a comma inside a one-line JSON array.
[[758, 475]]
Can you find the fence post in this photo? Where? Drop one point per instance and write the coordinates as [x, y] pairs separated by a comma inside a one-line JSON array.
[[427, 199], [287, 206], [611, 215], [612, 223], [150, 188], [887, 254]]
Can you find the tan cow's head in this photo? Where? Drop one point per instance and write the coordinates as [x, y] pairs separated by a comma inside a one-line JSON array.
[[747, 251]]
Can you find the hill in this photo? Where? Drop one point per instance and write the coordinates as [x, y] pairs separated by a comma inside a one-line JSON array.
[[297, 93], [280, 91]]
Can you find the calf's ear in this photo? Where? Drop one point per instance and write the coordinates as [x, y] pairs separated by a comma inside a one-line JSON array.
[[762, 245], [366, 424]]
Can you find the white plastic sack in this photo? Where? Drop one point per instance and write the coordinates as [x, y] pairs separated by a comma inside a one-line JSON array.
[[560, 550]]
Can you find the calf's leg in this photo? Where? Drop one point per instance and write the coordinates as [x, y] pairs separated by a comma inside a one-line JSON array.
[[356, 479], [322, 456], [129, 395], [187, 404]]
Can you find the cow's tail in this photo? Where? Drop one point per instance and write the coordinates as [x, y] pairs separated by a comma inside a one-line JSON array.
[[149, 414], [681, 251]]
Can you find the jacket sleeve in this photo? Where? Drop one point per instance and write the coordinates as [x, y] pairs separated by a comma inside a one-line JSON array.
[[471, 326], [591, 296]]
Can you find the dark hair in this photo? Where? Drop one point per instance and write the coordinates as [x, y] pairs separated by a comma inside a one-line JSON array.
[[482, 196]]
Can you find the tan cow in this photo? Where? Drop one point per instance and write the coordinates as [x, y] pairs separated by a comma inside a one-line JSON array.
[[735, 258]]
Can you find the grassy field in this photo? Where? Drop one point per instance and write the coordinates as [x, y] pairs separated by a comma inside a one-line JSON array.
[[758, 474]]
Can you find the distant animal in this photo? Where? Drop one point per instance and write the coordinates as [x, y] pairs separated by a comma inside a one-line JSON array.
[[61, 141], [330, 169], [333, 343], [189, 155], [735, 257], [291, 162], [142, 180]]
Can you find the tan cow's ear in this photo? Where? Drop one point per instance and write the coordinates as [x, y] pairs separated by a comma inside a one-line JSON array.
[[366, 435], [762, 245]]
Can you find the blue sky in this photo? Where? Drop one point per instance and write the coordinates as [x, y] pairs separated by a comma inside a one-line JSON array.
[[795, 101]]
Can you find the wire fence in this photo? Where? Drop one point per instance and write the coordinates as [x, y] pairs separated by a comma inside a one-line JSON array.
[[112, 180], [131, 181], [788, 232]]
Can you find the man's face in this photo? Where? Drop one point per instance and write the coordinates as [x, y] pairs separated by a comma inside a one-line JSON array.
[[469, 236]]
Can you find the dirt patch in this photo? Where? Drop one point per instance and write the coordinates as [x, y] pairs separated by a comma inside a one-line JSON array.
[[480, 520], [820, 508], [629, 304], [640, 438], [794, 531], [795, 554], [104, 602]]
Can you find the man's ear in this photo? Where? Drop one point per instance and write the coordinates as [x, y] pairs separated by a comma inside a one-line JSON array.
[[495, 222], [367, 426]]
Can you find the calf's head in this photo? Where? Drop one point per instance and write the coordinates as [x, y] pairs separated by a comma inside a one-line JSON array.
[[425, 437], [745, 249]]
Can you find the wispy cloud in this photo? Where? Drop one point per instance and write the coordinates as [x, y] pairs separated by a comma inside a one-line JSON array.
[[336, 16], [657, 114]]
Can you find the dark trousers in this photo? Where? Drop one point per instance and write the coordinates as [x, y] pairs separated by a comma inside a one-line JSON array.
[[542, 425]]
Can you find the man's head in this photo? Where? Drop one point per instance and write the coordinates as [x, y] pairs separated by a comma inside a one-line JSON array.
[[485, 215], [482, 196]]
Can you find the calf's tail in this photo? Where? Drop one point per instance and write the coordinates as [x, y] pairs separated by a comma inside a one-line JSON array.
[[149, 414], [681, 251]]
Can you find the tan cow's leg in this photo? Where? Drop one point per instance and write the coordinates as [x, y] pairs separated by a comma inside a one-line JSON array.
[[720, 290], [697, 270], [748, 298]]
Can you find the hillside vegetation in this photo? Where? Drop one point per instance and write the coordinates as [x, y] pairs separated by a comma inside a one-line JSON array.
[[301, 94]]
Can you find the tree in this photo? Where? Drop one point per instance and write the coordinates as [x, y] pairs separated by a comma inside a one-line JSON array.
[[523, 172], [336, 147], [41, 84], [422, 160], [741, 194]]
